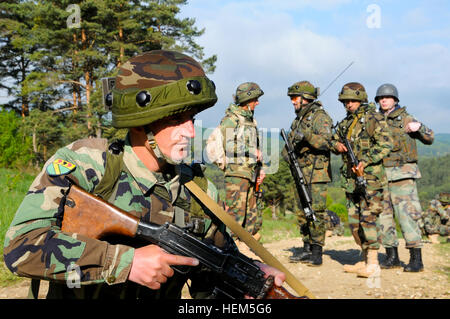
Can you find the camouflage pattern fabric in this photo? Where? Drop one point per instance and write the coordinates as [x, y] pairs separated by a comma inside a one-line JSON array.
[[242, 203], [247, 91], [314, 232], [371, 141], [436, 219], [241, 142], [313, 156], [36, 247], [171, 83], [404, 148], [304, 89], [363, 218], [334, 223], [402, 200]]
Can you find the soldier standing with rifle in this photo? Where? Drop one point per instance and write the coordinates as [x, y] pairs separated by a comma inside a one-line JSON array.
[[243, 172], [156, 96], [310, 136], [364, 139], [402, 171]]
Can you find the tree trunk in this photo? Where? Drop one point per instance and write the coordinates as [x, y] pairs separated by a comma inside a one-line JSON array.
[[122, 49], [274, 211], [35, 149], [87, 79], [75, 87]]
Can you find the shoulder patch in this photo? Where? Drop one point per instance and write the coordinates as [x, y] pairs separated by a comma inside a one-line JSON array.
[[60, 167]]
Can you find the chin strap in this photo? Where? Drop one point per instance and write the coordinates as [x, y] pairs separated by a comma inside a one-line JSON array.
[[157, 151]]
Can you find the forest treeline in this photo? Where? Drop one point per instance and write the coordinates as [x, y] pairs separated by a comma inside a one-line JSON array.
[[53, 55]]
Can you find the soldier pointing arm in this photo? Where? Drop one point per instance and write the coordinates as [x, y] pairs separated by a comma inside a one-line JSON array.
[[402, 199]]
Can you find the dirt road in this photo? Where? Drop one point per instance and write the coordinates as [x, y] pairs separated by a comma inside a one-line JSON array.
[[329, 281]]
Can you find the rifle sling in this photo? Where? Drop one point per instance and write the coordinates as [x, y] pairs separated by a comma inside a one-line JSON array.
[[245, 236]]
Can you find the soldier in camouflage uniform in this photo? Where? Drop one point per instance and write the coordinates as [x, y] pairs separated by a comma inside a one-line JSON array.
[[334, 225], [402, 171], [310, 135], [243, 155], [436, 219], [371, 140], [156, 96]]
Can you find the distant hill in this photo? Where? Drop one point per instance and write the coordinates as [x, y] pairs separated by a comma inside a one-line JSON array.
[[440, 146]]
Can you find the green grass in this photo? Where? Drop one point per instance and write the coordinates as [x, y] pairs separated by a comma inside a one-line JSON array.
[[444, 250], [282, 228], [14, 185]]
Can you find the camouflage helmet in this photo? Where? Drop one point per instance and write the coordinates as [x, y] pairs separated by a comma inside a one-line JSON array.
[[353, 91], [158, 84], [304, 89], [387, 90], [444, 198], [247, 91]]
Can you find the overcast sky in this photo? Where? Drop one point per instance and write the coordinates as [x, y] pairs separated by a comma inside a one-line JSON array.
[[278, 42]]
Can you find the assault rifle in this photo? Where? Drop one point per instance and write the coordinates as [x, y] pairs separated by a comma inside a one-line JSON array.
[[299, 179], [258, 192], [236, 275], [361, 183]]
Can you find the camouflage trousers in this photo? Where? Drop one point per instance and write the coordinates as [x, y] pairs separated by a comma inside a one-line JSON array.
[[242, 203], [363, 218], [402, 202], [314, 232]]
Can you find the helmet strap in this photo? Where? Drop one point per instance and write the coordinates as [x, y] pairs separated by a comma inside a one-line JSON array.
[[157, 151]]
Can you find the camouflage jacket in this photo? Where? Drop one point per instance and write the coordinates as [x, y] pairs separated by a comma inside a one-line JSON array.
[[240, 142], [312, 151], [371, 141], [436, 214], [402, 161], [36, 247]]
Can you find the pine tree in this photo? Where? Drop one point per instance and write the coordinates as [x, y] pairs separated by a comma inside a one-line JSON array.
[[17, 45], [54, 53]]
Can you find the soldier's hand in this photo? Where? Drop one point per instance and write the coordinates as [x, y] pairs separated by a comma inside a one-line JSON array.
[[259, 156], [412, 127], [261, 177], [359, 170], [279, 276], [341, 147], [151, 266]]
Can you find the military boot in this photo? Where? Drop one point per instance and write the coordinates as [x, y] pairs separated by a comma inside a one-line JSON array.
[[434, 238], [316, 255], [304, 255], [358, 266], [371, 266], [415, 261], [392, 260]]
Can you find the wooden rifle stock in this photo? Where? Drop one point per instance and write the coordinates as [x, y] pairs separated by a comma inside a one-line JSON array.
[[93, 217]]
